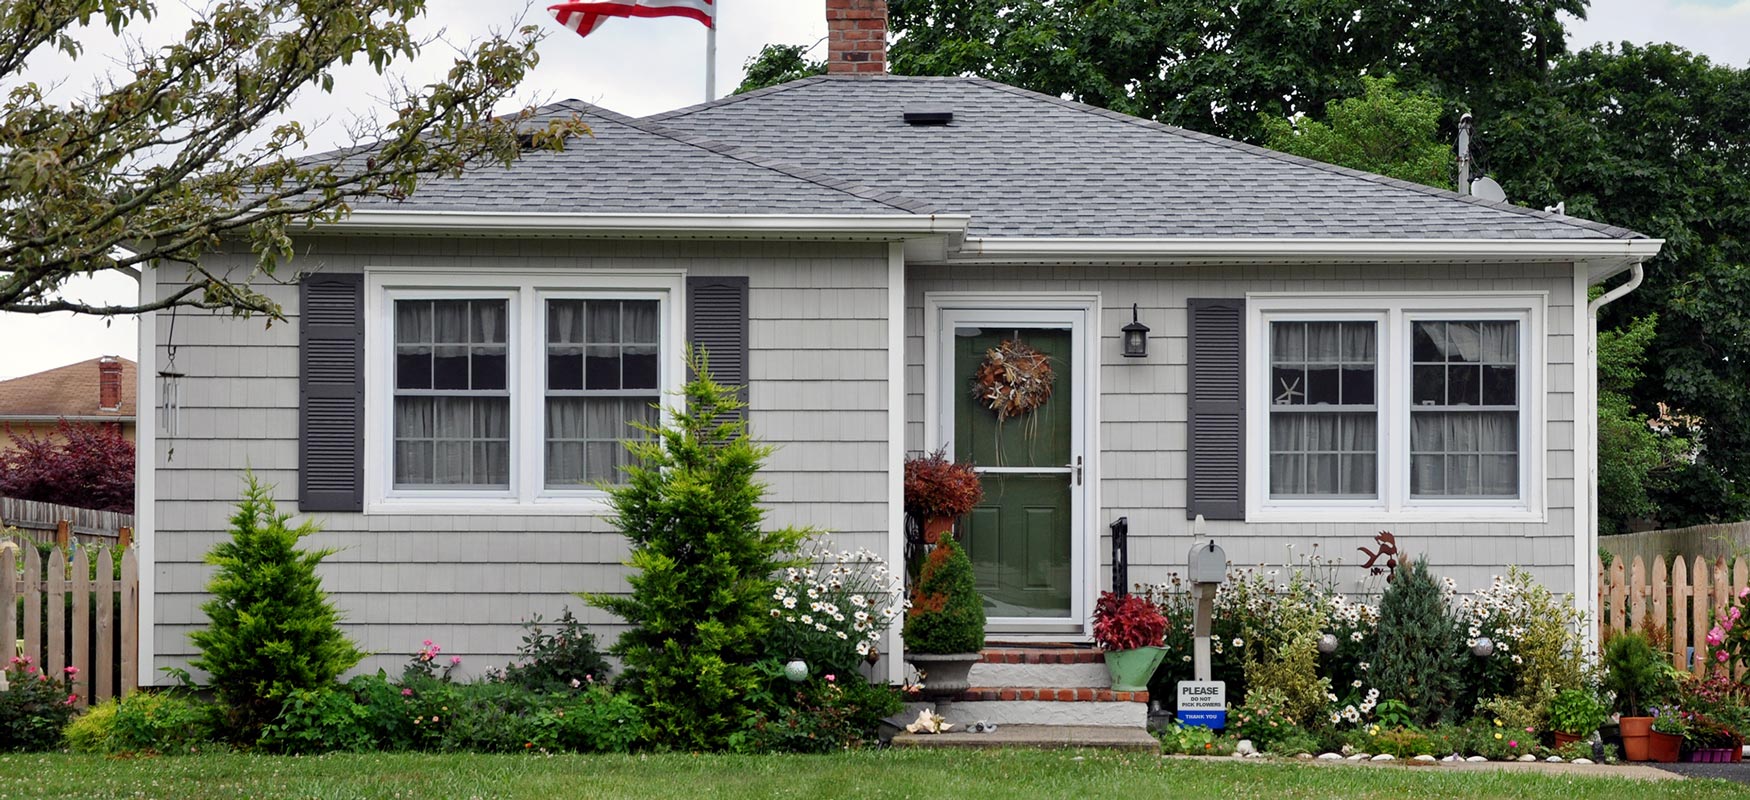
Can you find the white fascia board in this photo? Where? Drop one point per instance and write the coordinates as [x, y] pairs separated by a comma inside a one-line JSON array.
[[1255, 250], [866, 227]]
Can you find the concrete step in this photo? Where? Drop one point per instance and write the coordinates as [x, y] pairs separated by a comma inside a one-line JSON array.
[[1049, 737], [1060, 666]]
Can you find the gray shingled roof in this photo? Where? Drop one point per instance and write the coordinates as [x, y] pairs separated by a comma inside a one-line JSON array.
[[1027, 164], [633, 166]]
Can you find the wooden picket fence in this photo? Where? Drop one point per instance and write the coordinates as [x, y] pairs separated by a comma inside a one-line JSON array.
[[60, 615], [1683, 599]]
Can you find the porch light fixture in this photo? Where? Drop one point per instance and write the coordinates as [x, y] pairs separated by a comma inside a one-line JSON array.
[[1135, 337]]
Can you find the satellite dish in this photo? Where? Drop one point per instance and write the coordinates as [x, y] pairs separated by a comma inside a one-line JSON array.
[[1485, 188]]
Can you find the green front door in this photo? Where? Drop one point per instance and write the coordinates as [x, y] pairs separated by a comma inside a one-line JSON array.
[[1021, 538]]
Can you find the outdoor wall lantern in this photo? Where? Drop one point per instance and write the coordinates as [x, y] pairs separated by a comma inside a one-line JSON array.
[[1135, 337]]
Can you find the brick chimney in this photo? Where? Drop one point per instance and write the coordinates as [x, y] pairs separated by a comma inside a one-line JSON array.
[[109, 383], [856, 36]]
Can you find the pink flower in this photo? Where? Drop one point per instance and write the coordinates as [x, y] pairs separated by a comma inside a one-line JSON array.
[[1735, 613], [72, 698], [406, 692], [434, 718], [1513, 743], [575, 683], [1744, 593], [831, 677], [1721, 656], [454, 660], [427, 643], [1716, 637], [72, 670]]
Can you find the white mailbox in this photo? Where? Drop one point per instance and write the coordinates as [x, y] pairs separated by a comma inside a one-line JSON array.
[[1207, 564]]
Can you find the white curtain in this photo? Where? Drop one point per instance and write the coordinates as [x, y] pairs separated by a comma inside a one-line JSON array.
[[452, 441], [584, 436], [1464, 453], [1323, 454]]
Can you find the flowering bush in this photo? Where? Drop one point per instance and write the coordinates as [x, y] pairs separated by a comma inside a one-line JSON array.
[[556, 658], [1127, 622], [428, 664], [1729, 637], [35, 706], [833, 614]]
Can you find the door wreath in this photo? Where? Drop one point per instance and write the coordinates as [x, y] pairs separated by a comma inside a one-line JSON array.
[[1014, 379]]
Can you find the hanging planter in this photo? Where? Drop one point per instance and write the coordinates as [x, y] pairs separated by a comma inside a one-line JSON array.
[[1015, 379]]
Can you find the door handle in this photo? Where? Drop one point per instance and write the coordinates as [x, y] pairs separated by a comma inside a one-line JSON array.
[[1076, 470]]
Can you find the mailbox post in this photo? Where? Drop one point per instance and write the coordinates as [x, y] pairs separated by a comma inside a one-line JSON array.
[[1203, 701]]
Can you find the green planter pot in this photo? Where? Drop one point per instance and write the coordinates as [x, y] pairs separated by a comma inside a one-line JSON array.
[[1131, 669]]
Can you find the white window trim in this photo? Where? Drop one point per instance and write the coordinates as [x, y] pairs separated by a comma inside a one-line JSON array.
[[1396, 311], [528, 292]]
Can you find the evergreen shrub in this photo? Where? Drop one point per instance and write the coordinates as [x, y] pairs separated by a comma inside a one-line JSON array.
[[1418, 646], [703, 568], [947, 615], [271, 630]]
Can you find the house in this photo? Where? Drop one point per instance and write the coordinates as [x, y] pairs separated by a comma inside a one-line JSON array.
[[101, 391], [1329, 354]]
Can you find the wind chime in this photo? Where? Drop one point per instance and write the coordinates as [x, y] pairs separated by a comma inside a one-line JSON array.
[[170, 392]]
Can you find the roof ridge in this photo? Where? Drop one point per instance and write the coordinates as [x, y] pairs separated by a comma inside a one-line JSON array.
[[882, 196], [1613, 231], [737, 98]]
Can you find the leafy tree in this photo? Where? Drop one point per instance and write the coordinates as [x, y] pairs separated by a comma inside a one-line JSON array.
[[271, 630], [1386, 131], [162, 161], [1221, 68], [1418, 649], [83, 465], [1657, 139], [779, 63], [703, 569]]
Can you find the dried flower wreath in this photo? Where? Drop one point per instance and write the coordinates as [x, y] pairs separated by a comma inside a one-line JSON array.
[[1014, 379]]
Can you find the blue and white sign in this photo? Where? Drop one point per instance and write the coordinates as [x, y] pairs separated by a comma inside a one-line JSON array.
[[1203, 703]]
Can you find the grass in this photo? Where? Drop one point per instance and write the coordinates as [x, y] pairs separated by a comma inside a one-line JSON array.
[[883, 774]]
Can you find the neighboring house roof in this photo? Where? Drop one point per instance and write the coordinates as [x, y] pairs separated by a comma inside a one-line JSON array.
[[632, 166], [1025, 164], [73, 391]]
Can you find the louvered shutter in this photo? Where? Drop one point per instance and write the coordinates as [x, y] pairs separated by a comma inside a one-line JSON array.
[[717, 321], [1217, 442], [331, 393]]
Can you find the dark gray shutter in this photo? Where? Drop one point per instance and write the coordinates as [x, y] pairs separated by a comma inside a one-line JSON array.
[[1217, 441], [331, 393], [717, 321]]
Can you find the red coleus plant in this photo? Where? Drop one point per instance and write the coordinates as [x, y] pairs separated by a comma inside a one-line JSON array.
[[1127, 622]]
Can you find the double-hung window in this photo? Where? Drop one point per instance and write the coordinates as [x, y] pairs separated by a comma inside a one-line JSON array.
[[1388, 407], [498, 395]]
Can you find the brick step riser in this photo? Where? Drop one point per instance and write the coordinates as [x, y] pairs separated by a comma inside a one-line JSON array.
[[1037, 712], [1066, 676]]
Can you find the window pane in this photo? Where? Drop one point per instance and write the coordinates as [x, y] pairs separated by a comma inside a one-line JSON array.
[[486, 325], [450, 367], [1464, 385], [413, 367], [642, 323], [604, 321], [1360, 475], [1287, 474], [488, 368], [585, 437], [1324, 342], [1464, 453], [1358, 342], [412, 321], [1288, 386], [1500, 386], [1427, 475], [457, 441], [1358, 386], [1322, 384], [1288, 342], [1428, 385], [602, 368], [1463, 342], [1325, 454], [1429, 342], [565, 321], [1500, 342], [639, 367], [450, 321], [565, 368], [1500, 476]]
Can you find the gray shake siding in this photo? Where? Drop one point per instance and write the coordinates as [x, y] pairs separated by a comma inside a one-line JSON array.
[[818, 345], [1143, 413]]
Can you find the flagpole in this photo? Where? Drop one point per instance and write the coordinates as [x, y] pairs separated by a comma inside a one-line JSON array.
[[711, 56]]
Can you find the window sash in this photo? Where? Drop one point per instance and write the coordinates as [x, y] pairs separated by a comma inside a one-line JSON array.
[[1300, 470]]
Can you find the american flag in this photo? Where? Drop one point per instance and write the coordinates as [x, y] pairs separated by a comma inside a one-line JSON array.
[[586, 17]]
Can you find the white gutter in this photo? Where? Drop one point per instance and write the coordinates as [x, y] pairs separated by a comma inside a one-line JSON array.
[[1205, 249], [1586, 446], [450, 223]]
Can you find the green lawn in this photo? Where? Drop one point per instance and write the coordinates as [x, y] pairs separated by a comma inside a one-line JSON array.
[[855, 775]]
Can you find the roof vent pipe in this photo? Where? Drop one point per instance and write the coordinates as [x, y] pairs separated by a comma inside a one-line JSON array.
[[1464, 128]]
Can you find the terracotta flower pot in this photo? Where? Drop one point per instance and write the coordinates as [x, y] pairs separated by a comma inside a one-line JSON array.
[[934, 527], [1634, 737], [1564, 739], [1663, 747]]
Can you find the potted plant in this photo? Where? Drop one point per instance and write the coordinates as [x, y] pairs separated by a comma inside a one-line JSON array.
[[1575, 714], [1708, 740], [1130, 629], [944, 630], [939, 491], [1665, 736], [1635, 675]]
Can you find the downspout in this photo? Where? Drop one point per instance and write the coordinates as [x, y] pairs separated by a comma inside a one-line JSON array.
[[1586, 573]]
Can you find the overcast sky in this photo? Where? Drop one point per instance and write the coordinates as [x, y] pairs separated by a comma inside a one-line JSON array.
[[640, 67]]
